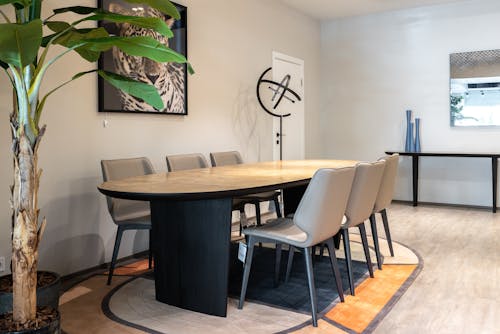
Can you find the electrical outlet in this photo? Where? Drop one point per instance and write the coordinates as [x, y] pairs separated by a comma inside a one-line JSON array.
[[2, 264]]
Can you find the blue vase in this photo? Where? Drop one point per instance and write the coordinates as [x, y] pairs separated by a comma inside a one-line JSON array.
[[417, 135], [409, 132]]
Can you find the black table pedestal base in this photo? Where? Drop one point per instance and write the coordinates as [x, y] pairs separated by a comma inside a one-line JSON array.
[[191, 241]]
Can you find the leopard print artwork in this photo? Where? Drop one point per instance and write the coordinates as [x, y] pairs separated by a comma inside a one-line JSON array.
[[168, 78]]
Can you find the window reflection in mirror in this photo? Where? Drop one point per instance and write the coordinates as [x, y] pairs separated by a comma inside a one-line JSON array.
[[475, 88]]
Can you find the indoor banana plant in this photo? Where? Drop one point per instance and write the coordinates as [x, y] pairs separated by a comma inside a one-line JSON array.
[[24, 57]]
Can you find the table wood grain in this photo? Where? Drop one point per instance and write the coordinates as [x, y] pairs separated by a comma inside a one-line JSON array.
[[218, 182]]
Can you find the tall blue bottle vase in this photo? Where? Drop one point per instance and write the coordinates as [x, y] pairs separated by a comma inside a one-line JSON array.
[[417, 136], [409, 132]]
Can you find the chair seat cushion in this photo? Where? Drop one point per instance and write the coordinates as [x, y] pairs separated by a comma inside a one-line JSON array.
[[144, 220], [265, 196], [280, 229], [124, 209], [239, 202]]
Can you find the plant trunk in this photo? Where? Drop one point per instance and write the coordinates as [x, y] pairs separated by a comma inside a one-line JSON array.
[[26, 233]]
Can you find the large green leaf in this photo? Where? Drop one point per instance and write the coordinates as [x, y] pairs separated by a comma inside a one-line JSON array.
[[146, 92], [46, 39], [190, 68], [86, 53], [141, 46], [76, 36], [164, 6], [154, 23], [77, 9], [19, 43], [57, 26]]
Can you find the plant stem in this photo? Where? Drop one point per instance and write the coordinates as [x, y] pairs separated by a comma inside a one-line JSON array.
[[48, 18], [23, 106]]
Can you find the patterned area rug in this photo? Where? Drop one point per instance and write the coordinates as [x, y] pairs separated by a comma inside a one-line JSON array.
[[271, 310], [294, 294]]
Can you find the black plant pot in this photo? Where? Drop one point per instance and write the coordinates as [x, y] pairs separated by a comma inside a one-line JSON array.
[[53, 327], [45, 296]]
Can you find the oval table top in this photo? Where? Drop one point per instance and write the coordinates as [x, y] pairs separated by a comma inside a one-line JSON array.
[[219, 182]]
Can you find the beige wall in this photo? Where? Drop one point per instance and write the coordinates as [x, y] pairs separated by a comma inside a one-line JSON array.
[[375, 67], [229, 45]]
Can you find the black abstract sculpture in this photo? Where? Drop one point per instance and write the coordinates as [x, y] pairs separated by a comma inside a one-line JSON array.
[[280, 90]]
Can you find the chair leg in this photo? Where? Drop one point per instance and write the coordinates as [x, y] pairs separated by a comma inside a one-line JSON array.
[[116, 248], [277, 207], [257, 216], [373, 223], [150, 255], [243, 216], [257, 213], [321, 251], [310, 281], [246, 272], [364, 240], [291, 252], [387, 232], [277, 265], [347, 251], [336, 240], [335, 268]]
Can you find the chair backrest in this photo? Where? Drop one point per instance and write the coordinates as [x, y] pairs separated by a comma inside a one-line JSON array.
[[323, 204], [364, 192], [386, 191], [186, 161], [225, 158], [121, 209]]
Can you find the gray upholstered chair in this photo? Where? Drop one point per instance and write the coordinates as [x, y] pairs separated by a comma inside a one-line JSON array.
[[317, 219], [185, 161], [384, 199], [364, 191], [126, 214], [234, 158]]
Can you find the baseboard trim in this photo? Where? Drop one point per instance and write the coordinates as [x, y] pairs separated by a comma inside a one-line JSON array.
[[462, 206], [72, 279]]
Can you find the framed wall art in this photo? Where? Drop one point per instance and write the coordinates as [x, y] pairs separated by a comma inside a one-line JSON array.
[[475, 88], [169, 78]]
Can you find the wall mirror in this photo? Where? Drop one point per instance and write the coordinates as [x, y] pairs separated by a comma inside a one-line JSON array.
[[475, 88]]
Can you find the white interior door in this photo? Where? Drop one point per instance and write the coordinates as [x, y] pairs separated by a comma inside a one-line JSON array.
[[292, 135]]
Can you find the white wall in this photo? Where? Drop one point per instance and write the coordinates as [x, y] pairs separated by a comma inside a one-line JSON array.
[[375, 67], [229, 45]]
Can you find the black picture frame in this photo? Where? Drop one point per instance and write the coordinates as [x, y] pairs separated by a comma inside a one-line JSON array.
[[169, 78]]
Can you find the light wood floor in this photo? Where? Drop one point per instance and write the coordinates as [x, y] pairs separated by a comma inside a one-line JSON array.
[[458, 290]]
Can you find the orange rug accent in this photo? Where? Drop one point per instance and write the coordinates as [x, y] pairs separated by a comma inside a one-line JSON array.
[[323, 328], [371, 296], [135, 268]]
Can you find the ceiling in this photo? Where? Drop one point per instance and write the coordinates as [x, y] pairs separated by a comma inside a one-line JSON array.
[[331, 9]]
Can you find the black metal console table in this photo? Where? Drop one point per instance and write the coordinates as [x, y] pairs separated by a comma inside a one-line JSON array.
[[415, 157]]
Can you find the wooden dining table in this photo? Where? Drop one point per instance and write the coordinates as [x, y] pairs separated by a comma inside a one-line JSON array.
[[191, 222]]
